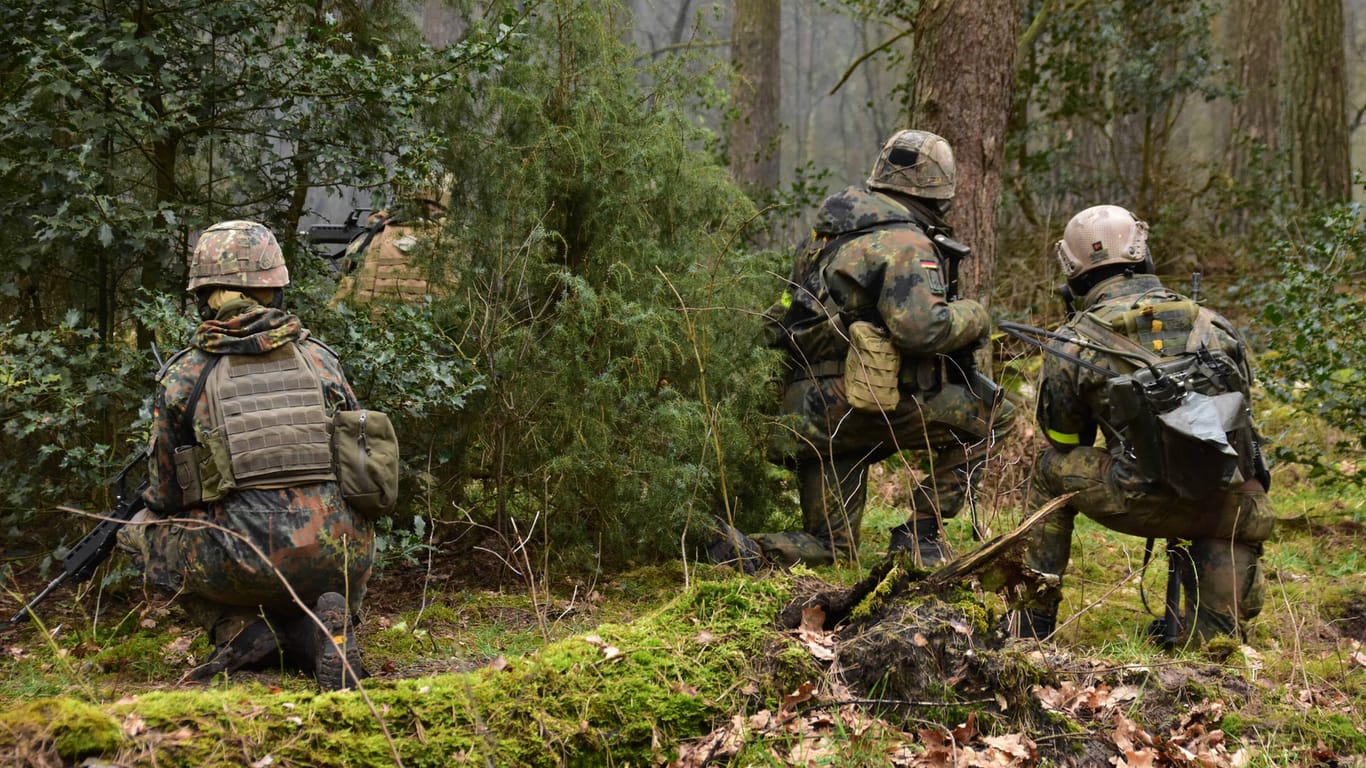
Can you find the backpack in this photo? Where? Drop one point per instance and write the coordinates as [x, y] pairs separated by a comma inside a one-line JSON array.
[[1183, 414]]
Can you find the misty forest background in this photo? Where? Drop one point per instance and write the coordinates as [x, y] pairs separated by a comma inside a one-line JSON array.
[[627, 181]]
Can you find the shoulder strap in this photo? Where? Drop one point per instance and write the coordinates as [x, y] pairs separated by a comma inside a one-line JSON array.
[[187, 421]]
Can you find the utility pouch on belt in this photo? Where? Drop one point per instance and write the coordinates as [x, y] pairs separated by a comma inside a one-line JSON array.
[[365, 453], [187, 475], [871, 369]]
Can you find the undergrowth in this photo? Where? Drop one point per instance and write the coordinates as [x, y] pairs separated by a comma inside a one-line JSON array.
[[622, 671]]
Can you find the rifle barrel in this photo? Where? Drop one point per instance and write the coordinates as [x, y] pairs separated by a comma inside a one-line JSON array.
[[51, 585]]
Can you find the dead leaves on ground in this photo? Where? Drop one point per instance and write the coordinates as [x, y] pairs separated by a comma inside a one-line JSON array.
[[812, 728], [1194, 741], [827, 728]]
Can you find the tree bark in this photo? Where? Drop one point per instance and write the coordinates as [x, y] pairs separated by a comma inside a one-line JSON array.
[[1254, 46], [962, 81], [754, 132], [1314, 103]]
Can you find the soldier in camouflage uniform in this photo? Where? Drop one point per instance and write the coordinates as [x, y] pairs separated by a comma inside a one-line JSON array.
[[869, 258], [1105, 257], [240, 441], [384, 262]]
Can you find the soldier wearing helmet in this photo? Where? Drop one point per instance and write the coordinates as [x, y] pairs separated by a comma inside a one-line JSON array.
[[1126, 320], [868, 294], [240, 440]]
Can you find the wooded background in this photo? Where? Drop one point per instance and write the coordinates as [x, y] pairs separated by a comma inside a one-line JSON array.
[[626, 181]]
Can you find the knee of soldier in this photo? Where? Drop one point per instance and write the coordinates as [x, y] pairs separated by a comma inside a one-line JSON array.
[[1249, 516], [1062, 471], [1050, 469]]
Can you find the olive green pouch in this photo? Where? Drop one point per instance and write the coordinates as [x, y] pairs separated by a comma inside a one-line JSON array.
[[365, 453], [871, 369], [204, 472], [187, 475]]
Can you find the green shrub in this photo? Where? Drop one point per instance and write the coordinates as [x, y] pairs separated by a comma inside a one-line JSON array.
[[1314, 314], [602, 292]]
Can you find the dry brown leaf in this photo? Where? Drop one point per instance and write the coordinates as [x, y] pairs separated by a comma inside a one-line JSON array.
[[133, 725], [966, 732], [1141, 758], [813, 619], [802, 695], [812, 632], [1014, 745]]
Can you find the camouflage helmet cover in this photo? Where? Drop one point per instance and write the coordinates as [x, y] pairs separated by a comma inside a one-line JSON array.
[[1100, 236], [238, 253], [917, 163]]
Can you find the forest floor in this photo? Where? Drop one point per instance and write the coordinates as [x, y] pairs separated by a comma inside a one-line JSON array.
[[473, 661]]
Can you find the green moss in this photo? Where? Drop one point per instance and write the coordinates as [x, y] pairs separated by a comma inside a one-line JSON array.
[[1232, 724], [876, 600], [1338, 731], [73, 728], [622, 690]]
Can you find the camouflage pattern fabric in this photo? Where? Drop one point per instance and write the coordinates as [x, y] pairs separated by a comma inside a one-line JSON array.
[[389, 267], [306, 534], [869, 259], [1226, 531], [238, 253]]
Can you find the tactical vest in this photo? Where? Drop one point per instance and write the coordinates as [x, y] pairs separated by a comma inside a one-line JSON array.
[[1183, 410], [267, 427]]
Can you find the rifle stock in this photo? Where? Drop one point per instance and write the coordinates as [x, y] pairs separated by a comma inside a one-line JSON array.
[[94, 548]]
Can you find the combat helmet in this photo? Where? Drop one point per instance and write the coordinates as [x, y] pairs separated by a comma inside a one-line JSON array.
[[238, 253], [917, 163], [1102, 236]]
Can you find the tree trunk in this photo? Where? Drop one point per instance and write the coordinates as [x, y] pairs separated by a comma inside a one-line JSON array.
[[1314, 103], [961, 89], [754, 50], [1254, 47]]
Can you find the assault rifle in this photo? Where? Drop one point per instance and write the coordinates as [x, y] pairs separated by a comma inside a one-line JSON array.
[[962, 363], [82, 560], [345, 233]]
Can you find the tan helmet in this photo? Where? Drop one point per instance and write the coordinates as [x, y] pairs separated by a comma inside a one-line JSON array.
[[916, 163], [238, 253], [1100, 236]]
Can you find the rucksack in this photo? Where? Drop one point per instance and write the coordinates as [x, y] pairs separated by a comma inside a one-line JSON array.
[[1182, 413]]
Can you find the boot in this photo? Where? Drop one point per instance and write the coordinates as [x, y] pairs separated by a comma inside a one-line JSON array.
[[923, 538], [253, 647], [328, 654], [728, 546]]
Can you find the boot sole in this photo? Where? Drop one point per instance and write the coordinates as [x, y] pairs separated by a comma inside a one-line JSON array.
[[330, 669]]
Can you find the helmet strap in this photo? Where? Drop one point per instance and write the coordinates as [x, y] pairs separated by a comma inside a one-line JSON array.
[[929, 210]]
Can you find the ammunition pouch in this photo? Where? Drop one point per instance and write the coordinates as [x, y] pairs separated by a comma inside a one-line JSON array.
[[872, 369], [204, 471]]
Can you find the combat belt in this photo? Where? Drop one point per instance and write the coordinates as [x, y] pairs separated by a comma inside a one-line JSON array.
[[922, 375]]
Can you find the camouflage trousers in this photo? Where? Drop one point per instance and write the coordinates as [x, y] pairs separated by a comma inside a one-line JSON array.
[[1223, 586], [229, 565], [950, 435]]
